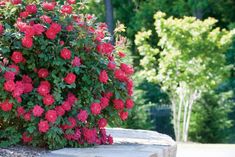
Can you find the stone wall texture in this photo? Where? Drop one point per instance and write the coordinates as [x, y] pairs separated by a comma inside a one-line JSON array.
[[127, 143]]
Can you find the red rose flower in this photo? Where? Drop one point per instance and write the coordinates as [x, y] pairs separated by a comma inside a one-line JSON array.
[[71, 1], [43, 89], [26, 79], [104, 102], [82, 115], [71, 98], [102, 123], [61, 43], [77, 134], [28, 87], [43, 126], [39, 29], [76, 62], [19, 89], [121, 54], [9, 86], [59, 110], [120, 75], [21, 25], [111, 65], [1, 29], [32, 8], [26, 138], [27, 42], [127, 69], [118, 104], [129, 86], [95, 108], [55, 27], [89, 16], [29, 31], [15, 2], [6, 106], [19, 99], [43, 73], [20, 111], [90, 135], [110, 139], [66, 106], [17, 57], [48, 100], [50, 34], [123, 115], [24, 14], [27, 116], [103, 76], [38, 111], [111, 58], [69, 28], [46, 19], [2, 4], [9, 75], [108, 95], [129, 104], [66, 9], [48, 6], [51, 116], [99, 35], [65, 53], [70, 78], [105, 48], [103, 26]]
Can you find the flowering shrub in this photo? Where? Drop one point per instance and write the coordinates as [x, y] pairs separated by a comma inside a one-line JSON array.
[[61, 80]]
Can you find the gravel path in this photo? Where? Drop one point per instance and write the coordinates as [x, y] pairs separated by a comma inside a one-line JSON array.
[[22, 151]]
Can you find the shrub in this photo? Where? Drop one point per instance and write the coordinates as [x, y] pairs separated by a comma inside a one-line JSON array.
[[61, 80], [192, 61], [210, 120]]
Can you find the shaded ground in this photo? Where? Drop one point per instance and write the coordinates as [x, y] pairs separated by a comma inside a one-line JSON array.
[[21, 151], [205, 150]]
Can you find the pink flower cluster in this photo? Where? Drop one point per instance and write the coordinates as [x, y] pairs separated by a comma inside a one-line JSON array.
[[53, 82]]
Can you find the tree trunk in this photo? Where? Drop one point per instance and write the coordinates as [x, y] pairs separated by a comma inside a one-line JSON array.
[[174, 118], [109, 17], [181, 94], [192, 98], [185, 138], [186, 106]]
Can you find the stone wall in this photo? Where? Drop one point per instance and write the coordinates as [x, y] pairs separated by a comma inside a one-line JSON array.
[[127, 143]]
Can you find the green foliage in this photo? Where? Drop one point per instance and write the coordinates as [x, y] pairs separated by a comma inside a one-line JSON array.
[[57, 88], [191, 61], [9, 137], [192, 50], [210, 121], [140, 17]]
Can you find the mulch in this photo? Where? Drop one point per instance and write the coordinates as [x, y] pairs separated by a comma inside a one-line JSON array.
[[22, 151]]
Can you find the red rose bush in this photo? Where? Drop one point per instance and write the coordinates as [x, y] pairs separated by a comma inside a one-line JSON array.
[[62, 81]]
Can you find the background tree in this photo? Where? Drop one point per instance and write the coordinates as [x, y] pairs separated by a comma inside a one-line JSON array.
[[137, 16], [109, 16], [192, 61]]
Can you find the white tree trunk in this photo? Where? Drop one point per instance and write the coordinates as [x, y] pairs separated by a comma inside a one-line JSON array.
[[186, 106], [192, 98], [179, 122], [183, 102]]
